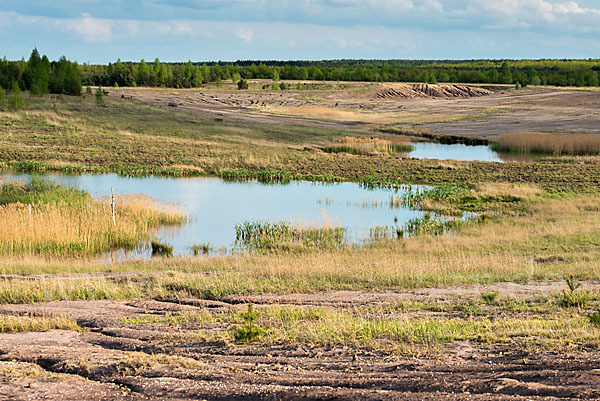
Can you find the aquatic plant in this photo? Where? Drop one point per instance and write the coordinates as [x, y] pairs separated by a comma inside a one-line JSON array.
[[161, 248], [266, 236], [201, 249], [430, 225]]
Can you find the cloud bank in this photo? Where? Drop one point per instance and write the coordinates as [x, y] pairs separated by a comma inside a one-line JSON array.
[[303, 29]]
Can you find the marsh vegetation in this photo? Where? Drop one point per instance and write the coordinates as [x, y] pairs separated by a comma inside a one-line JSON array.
[[42, 217], [553, 144]]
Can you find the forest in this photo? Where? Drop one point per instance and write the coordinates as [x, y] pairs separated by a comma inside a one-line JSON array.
[[39, 75]]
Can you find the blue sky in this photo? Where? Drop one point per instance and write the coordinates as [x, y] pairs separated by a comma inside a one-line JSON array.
[[100, 31]]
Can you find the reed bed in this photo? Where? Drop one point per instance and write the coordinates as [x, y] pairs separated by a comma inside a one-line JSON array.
[[556, 144], [370, 146], [61, 221]]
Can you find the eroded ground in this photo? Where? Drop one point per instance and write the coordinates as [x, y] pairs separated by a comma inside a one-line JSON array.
[[179, 349], [468, 110]]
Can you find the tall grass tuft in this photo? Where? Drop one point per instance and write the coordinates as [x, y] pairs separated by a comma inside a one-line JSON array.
[[556, 144]]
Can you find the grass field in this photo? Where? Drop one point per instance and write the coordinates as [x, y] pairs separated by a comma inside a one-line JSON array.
[[517, 287]]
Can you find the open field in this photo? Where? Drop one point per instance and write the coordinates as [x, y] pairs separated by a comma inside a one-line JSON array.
[[483, 312], [132, 138], [479, 114]]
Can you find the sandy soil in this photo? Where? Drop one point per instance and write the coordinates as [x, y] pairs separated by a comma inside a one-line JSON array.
[[114, 360], [474, 112]]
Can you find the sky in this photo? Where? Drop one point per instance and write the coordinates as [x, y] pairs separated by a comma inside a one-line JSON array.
[[100, 31]]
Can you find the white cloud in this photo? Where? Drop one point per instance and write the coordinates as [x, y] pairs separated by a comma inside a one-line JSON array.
[[244, 33], [89, 28]]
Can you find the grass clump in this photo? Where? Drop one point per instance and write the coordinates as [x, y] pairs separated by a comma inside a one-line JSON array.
[[572, 297], [161, 249], [39, 190], [370, 146], [541, 143], [23, 324], [490, 298], [201, 249], [594, 318], [249, 331], [282, 236]]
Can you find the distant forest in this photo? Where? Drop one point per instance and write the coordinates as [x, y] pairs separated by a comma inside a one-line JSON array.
[[39, 75]]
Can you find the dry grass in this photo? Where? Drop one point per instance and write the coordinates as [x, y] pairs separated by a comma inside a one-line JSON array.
[[372, 146], [21, 324], [67, 229], [558, 144], [551, 240], [522, 191], [330, 113]]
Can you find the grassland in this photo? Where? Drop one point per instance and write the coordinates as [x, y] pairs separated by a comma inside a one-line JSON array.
[[431, 315], [133, 138]]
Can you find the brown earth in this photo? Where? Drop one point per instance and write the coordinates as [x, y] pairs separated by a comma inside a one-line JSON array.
[[445, 109], [116, 360]]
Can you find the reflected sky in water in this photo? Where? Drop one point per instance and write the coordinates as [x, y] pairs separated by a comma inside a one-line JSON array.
[[427, 150], [216, 206]]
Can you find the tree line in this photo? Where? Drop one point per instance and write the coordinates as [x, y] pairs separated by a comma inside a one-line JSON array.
[[39, 75], [191, 75]]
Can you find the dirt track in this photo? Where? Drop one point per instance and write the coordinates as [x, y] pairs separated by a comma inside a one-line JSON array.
[[116, 360]]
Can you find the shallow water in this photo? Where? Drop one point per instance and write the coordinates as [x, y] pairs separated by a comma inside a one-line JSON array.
[[216, 206], [427, 150]]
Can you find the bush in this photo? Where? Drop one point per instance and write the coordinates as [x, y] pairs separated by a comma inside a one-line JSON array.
[[99, 96], [572, 298], [242, 84], [249, 331]]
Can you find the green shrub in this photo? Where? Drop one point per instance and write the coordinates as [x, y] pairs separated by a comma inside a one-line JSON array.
[[572, 297], [249, 331], [99, 96], [594, 318], [489, 298], [242, 84]]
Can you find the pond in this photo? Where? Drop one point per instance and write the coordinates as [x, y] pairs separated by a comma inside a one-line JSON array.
[[216, 206], [428, 150]]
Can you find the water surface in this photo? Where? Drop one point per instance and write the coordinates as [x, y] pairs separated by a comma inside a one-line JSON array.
[[428, 150], [216, 206]]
